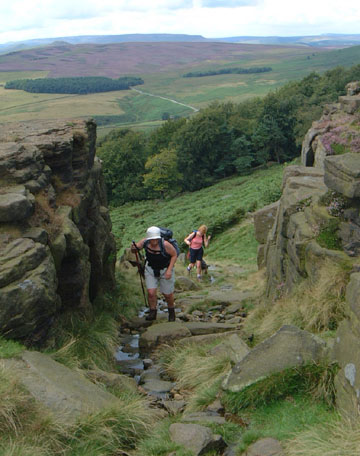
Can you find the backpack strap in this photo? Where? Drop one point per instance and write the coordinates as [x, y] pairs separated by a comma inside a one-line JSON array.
[[162, 248]]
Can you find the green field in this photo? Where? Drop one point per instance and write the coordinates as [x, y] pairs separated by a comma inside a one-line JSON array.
[[125, 108]]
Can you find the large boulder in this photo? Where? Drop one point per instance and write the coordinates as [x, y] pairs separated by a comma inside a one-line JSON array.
[[288, 347], [64, 392], [14, 206], [265, 447], [232, 346], [196, 438], [342, 174], [162, 333], [169, 333]]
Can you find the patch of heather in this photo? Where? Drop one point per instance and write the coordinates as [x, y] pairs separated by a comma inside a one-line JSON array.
[[342, 135], [355, 144]]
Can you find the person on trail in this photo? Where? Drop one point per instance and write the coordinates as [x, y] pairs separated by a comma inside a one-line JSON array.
[[159, 270], [195, 241]]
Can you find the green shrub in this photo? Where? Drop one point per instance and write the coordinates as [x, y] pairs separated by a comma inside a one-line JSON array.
[[284, 419], [10, 348]]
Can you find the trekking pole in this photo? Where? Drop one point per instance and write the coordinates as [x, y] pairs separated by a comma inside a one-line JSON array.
[[140, 270]]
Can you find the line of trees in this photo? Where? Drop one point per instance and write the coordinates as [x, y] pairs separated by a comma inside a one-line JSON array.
[[200, 74], [221, 140], [74, 85]]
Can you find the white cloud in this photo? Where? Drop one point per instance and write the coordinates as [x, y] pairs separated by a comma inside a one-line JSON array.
[[24, 19], [227, 3]]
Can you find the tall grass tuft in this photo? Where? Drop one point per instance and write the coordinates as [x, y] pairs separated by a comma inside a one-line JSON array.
[[316, 306], [87, 343], [196, 371], [25, 428], [337, 438], [192, 366], [159, 443], [114, 430], [90, 341]]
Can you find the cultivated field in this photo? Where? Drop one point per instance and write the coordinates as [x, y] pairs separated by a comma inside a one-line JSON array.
[[161, 65]]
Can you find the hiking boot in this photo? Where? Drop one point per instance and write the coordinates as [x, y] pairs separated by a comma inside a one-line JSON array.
[[188, 269], [151, 315], [171, 311], [199, 276]]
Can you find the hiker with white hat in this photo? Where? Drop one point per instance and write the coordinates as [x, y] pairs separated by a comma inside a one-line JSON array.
[[159, 270]]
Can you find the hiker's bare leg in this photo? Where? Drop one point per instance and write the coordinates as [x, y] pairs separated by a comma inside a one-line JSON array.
[[169, 298], [198, 267], [152, 298]]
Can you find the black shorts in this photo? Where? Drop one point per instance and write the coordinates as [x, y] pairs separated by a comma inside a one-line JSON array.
[[196, 254]]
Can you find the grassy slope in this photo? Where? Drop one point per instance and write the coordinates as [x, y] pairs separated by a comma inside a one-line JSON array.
[[288, 63], [220, 207]]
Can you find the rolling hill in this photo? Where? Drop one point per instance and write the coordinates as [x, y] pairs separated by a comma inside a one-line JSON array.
[[161, 65]]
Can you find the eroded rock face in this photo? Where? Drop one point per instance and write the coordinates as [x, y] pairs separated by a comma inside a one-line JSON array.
[[324, 193], [56, 247]]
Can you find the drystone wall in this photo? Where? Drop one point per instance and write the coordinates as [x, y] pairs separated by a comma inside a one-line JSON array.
[[56, 248], [322, 196]]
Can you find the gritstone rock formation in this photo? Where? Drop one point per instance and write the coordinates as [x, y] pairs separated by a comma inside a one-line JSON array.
[[56, 247], [321, 200]]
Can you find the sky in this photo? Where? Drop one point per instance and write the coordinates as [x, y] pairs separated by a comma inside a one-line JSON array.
[[29, 19]]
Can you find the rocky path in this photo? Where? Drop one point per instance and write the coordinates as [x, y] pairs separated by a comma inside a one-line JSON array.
[[205, 312]]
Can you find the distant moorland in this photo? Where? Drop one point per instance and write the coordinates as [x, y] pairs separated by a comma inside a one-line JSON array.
[[165, 92]]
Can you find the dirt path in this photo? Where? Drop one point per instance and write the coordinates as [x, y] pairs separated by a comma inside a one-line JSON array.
[[164, 98]]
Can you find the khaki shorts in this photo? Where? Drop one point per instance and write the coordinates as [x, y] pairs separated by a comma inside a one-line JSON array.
[[166, 285]]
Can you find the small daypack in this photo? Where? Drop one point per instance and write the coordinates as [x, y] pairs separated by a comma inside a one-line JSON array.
[[166, 235]]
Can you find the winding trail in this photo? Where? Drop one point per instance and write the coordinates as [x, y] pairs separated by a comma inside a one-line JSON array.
[[165, 98]]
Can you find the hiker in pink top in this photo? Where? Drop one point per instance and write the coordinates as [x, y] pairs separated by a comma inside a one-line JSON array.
[[195, 241]]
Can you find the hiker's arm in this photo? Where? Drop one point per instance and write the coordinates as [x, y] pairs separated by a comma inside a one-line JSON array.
[[206, 240], [139, 245], [186, 240], [173, 257]]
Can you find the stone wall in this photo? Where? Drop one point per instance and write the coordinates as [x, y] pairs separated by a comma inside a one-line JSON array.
[[323, 192], [56, 247]]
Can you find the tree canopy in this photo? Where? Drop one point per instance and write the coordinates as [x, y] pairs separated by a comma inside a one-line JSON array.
[[221, 140], [79, 85]]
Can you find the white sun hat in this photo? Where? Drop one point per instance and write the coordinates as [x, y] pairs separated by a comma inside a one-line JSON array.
[[153, 233]]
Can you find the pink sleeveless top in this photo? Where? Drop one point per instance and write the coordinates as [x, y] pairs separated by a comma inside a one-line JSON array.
[[196, 242]]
